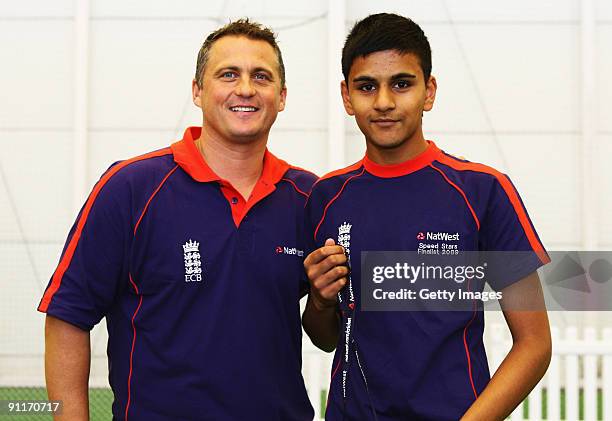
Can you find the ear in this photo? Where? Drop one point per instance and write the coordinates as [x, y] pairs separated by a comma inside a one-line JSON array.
[[346, 99], [431, 88], [196, 91], [283, 99]]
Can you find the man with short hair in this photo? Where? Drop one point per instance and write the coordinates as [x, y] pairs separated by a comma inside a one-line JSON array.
[[193, 253], [407, 195]]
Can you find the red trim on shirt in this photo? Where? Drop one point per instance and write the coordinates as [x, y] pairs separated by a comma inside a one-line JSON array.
[[341, 171], [462, 194], [512, 196], [152, 196], [67, 258], [129, 382], [144, 211], [334, 198], [397, 170], [336, 369], [330, 382], [303, 193], [467, 349], [187, 155]]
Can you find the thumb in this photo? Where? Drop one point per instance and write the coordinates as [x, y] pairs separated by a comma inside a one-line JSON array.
[[329, 242]]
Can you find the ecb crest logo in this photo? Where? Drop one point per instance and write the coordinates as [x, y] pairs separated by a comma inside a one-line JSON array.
[[344, 236], [193, 264]]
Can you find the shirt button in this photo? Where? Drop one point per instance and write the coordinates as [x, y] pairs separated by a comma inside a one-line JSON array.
[[234, 200]]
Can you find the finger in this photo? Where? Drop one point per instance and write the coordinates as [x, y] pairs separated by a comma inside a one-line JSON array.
[[329, 263], [317, 270], [329, 242], [331, 291], [321, 253], [329, 277], [329, 295]]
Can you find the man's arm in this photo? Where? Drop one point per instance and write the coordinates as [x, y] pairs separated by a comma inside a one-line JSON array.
[[524, 366], [326, 272], [67, 360]]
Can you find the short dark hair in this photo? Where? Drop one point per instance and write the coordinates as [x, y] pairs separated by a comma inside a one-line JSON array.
[[245, 28], [386, 31]]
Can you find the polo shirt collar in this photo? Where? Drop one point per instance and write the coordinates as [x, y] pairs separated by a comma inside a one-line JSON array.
[[189, 158], [403, 168]]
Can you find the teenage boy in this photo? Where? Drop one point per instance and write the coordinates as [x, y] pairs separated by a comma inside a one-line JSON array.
[[416, 365], [192, 255]]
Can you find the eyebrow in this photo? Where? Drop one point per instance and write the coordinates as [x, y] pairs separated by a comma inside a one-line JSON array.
[[403, 76], [226, 68], [255, 70], [394, 77], [364, 79], [267, 71]]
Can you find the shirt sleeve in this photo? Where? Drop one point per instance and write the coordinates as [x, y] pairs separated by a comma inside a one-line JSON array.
[[93, 265], [509, 243]]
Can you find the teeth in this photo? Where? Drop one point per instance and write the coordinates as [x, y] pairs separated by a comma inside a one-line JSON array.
[[246, 109]]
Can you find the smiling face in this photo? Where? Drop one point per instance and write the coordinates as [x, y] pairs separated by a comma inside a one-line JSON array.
[[387, 94], [241, 91]]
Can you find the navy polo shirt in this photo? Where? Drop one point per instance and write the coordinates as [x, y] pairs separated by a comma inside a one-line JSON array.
[[415, 365], [200, 288]]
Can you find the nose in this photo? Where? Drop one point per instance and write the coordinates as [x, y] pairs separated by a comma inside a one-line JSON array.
[[384, 100], [245, 87]]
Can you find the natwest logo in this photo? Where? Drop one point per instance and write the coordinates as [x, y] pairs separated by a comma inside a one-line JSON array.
[[420, 236], [442, 236], [289, 250]]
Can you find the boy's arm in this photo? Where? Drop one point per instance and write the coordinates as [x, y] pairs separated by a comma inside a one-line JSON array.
[[524, 366], [326, 272], [67, 360]]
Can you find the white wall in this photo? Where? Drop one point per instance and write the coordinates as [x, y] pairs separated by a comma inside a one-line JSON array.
[[510, 90]]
